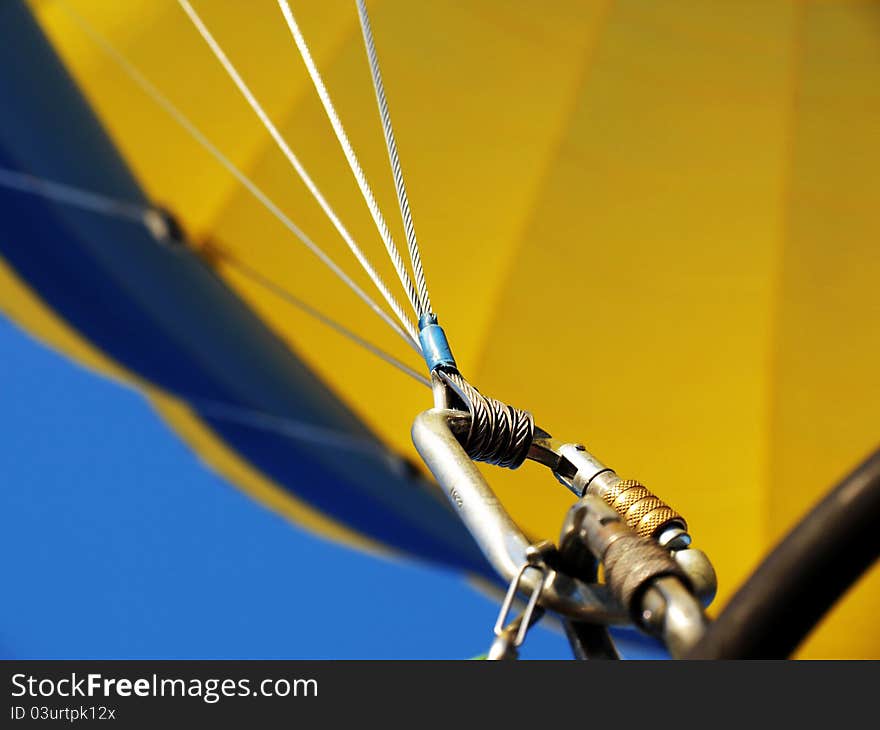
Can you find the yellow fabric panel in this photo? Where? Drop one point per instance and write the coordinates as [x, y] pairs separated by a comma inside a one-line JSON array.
[[826, 360], [21, 305], [654, 224], [156, 36], [645, 281]]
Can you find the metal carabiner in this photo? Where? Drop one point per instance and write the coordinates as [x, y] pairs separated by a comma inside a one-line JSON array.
[[503, 543]]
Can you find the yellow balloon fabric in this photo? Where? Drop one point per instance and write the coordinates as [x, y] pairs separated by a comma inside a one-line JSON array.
[[652, 224]]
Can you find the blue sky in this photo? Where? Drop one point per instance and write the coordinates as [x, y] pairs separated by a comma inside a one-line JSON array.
[[117, 543]]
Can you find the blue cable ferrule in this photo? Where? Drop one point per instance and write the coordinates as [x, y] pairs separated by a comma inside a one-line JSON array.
[[435, 346]]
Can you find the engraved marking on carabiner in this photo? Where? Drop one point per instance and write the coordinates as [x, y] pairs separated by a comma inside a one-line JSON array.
[[456, 497]]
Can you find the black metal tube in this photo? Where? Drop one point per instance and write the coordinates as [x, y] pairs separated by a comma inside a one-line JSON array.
[[804, 575]]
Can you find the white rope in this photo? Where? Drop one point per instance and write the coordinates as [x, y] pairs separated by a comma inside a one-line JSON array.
[[302, 431], [183, 121], [103, 205], [282, 293], [297, 166], [350, 155], [69, 195], [415, 256]]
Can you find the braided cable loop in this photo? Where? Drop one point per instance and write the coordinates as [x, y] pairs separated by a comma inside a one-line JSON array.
[[499, 434]]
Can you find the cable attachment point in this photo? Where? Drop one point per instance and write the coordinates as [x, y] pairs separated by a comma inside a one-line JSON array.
[[435, 346], [497, 434], [164, 226]]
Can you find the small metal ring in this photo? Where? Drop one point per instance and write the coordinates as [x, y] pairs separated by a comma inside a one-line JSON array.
[[526, 618]]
